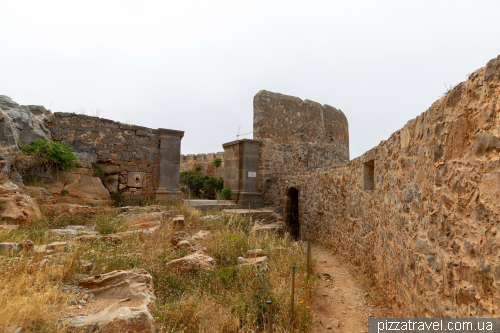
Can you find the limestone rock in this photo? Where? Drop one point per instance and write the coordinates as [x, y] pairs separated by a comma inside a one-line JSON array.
[[26, 246], [255, 253], [21, 123], [121, 303], [185, 245], [57, 247], [201, 235], [145, 222], [278, 227], [113, 239], [81, 189], [178, 237], [196, 261], [111, 183], [66, 209], [41, 195], [493, 69], [19, 208], [178, 221]]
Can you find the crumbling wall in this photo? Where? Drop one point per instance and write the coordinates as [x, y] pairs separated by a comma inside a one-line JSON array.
[[128, 154], [427, 227], [205, 161], [299, 135]]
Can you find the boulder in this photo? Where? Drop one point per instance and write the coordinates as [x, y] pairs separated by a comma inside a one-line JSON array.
[[17, 208], [24, 123], [193, 262], [80, 188], [121, 303]]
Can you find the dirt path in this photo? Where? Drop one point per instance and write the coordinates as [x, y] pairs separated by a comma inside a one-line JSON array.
[[341, 304]]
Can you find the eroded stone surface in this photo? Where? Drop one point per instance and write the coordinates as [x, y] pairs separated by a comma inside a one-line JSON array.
[[122, 299], [18, 208]]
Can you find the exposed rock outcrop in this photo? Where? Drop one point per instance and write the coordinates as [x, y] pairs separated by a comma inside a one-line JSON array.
[[18, 123], [80, 187], [17, 208], [121, 303]]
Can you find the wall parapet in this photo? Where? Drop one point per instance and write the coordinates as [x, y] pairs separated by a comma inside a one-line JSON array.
[[189, 161]]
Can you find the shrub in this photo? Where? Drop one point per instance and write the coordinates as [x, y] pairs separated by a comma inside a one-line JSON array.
[[225, 193], [64, 192], [197, 167], [217, 162], [56, 154], [211, 186], [195, 181], [202, 185]]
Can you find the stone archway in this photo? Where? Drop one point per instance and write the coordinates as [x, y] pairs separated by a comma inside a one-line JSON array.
[[292, 213]]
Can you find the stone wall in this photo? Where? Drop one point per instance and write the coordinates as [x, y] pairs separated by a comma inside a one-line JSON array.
[[128, 154], [298, 136], [188, 163], [425, 225]]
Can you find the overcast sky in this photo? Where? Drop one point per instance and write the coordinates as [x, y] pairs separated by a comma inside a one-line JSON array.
[[196, 65]]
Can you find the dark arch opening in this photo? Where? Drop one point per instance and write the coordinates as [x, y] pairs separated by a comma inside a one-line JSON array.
[[292, 220]]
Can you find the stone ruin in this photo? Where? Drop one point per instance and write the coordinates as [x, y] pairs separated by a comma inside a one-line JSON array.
[[419, 212]]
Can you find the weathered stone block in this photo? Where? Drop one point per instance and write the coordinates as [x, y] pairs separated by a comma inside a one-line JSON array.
[[136, 179]]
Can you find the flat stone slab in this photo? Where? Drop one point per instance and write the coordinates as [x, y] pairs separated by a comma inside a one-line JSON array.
[[263, 214], [211, 204], [74, 232]]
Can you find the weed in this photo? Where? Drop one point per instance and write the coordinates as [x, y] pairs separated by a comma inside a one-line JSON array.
[[217, 162], [64, 192], [108, 224], [56, 154]]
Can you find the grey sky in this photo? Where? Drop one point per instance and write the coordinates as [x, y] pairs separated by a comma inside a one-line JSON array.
[[196, 65]]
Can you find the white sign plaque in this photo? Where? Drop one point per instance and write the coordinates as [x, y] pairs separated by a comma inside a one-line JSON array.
[[252, 174]]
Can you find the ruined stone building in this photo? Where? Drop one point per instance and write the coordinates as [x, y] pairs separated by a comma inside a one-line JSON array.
[[419, 212]]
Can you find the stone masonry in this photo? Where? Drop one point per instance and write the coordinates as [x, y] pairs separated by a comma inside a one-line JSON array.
[[298, 136], [138, 161], [189, 161], [420, 212]]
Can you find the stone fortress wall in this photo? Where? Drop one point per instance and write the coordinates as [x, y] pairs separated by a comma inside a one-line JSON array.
[[189, 161], [420, 212], [130, 155], [298, 135]]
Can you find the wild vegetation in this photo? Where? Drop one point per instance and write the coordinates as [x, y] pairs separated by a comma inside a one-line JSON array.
[[227, 298], [55, 154], [201, 186]]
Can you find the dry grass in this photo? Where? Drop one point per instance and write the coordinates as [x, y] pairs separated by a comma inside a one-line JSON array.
[[28, 294], [221, 300]]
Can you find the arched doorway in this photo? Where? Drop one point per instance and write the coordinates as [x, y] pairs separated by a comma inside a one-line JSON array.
[[292, 213]]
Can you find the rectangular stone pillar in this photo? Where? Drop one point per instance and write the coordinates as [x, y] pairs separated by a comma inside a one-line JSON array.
[[170, 158], [241, 171]]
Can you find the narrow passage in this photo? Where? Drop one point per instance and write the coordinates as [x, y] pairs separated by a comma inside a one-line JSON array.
[[341, 303]]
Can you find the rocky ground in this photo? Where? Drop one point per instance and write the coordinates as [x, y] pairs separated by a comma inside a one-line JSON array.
[[153, 268]]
